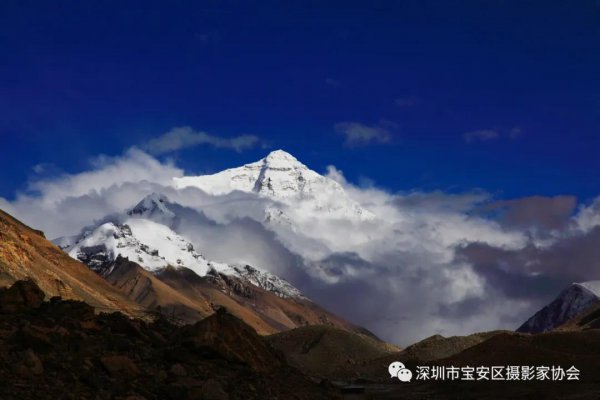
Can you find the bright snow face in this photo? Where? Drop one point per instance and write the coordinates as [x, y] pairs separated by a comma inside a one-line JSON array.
[[152, 245], [281, 177]]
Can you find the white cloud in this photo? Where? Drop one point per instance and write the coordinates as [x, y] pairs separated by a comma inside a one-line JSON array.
[[184, 137], [403, 264], [588, 217], [336, 174], [399, 275], [133, 166], [62, 205], [358, 134]]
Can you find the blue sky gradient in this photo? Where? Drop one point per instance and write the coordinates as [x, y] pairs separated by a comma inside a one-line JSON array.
[[502, 96]]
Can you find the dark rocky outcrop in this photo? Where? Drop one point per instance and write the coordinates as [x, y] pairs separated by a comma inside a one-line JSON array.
[[62, 350], [21, 296]]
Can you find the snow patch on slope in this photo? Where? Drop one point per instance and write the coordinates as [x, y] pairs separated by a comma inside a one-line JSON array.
[[152, 245], [268, 281]]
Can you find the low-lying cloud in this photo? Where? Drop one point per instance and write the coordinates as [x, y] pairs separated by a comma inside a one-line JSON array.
[[430, 262]]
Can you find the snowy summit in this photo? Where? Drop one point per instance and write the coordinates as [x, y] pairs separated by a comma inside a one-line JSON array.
[[281, 177]]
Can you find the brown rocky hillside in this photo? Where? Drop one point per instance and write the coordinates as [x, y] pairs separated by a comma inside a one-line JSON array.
[[26, 254]]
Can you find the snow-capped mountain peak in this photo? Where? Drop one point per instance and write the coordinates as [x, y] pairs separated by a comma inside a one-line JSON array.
[[152, 205], [570, 302], [280, 159], [281, 177], [152, 245], [143, 236]]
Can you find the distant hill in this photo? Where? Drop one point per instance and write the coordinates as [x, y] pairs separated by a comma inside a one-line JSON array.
[[325, 351]]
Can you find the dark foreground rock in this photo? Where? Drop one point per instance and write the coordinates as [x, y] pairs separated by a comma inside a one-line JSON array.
[[22, 295], [62, 350]]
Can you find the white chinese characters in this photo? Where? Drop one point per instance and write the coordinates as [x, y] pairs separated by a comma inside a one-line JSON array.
[[496, 373]]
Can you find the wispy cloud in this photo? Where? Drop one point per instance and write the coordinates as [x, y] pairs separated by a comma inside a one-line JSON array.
[[482, 134], [485, 135], [184, 137], [358, 134]]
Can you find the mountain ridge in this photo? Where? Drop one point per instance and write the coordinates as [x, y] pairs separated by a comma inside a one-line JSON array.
[[572, 301], [155, 246], [157, 267]]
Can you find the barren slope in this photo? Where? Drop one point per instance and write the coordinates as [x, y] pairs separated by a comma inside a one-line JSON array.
[[25, 253], [325, 351]]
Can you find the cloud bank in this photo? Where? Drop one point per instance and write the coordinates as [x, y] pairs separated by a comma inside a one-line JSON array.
[[431, 262]]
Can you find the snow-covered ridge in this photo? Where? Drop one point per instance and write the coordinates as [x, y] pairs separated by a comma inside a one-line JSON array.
[[592, 286], [267, 281], [278, 175], [152, 204], [570, 302], [152, 245], [141, 236]]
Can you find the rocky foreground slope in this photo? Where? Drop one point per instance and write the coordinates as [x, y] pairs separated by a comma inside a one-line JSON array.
[[62, 350]]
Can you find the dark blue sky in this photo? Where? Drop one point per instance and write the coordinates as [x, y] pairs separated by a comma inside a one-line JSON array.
[[82, 78]]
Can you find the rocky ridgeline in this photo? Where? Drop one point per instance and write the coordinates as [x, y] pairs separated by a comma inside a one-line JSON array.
[[62, 349]]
